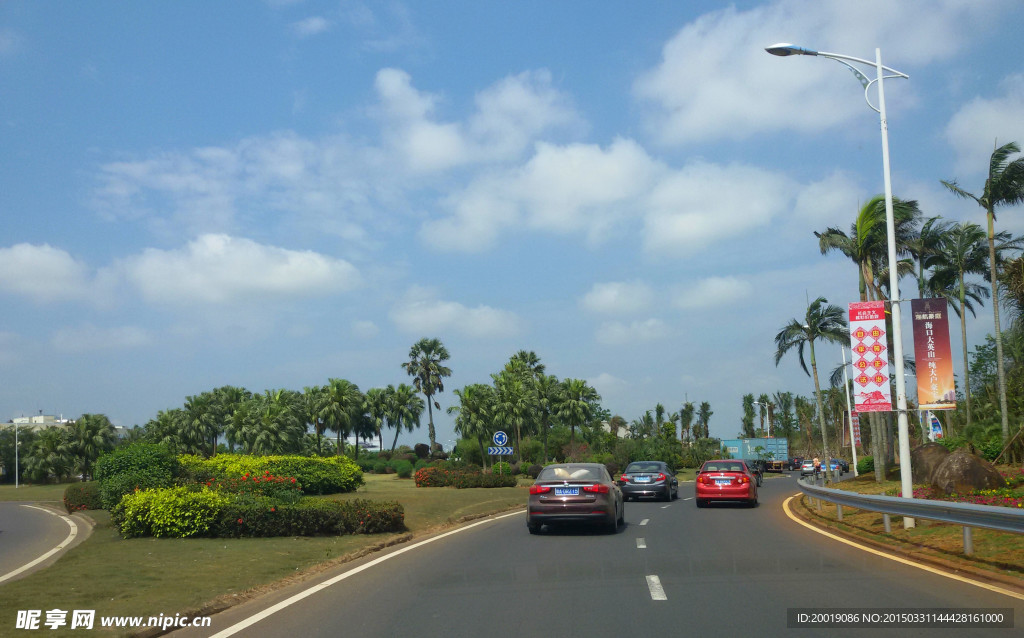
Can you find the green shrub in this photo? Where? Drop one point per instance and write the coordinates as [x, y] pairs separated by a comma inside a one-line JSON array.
[[83, 496], [534, 471], [464, 480], [308, 517], [422, 463], [501, 467], [135, 466], [865, 465], [174, 512], [317, 475], [380, 467], [433, 477], [403, 469]]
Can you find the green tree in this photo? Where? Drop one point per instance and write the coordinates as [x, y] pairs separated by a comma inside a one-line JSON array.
[[48, 455], [89, 437], [704, 413], [475, 414], [1003, 187], [686, 420], [747, 427], [404, 409], [576, 405], [377, 408], [515, 400], [197, 427], [823, 322], [342, 407], [314, 405], [425, 366]]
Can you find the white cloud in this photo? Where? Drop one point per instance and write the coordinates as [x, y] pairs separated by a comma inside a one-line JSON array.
[[715, 79], [836, 197], [713, 292], [617, 297], [220, 269], [42, 273], [561, 189], [985, 123], [618, 333], [705, 203], [90, 338], [365, 329], [310, 26], [510, 115], [421, 313]]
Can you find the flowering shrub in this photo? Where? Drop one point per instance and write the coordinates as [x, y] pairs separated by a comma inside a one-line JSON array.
[[433, 477], [282, 488], [316, 475], [1002, 497], [82, 496], [443, 477]]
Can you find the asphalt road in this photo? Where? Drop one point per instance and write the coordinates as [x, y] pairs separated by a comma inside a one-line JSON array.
[[672, 570], [27, 533]]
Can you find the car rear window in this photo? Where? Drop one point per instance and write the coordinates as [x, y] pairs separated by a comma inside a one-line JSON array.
[[643, 467], [569, 472]]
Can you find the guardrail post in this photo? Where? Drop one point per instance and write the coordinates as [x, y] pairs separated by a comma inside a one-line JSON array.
[[968, 541], [888, 524], [839, 512]]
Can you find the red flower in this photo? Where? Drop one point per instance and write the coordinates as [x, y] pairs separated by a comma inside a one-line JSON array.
[[239, 521]]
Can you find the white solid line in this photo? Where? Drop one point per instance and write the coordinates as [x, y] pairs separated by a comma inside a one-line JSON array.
[[657, 591], [665, 507], [64, 543], [644, 522], [269, 611], [641, 543], [688, 498]]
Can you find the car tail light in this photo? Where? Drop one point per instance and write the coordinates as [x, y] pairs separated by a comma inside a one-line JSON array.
[[661, 477], [540, 489], [743, 479], [703, 479], [624, 478], [601, 488]]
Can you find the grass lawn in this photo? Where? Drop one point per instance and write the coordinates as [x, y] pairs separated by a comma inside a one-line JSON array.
[[994, 551], [149, 576], [37, 493]]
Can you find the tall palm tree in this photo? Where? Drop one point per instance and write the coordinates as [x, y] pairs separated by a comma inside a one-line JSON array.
[[766, 410], [747, 431], [704, 413], [576, 405], [823, 322], [548, 393], [376, 406], [425, 367], [961, 253], [404, 409], [90, 436], [198, 427], [1003, 187], [314, 403], [343, 403], [783, 418], [686, 420], [49, 455], [475, 414]]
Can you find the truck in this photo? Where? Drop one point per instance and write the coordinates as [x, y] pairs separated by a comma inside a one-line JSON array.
[[772, 452]]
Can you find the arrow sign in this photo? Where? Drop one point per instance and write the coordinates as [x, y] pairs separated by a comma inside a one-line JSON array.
[[500, 451]]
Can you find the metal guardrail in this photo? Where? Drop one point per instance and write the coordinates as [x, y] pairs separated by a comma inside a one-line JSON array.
[[968, 515]]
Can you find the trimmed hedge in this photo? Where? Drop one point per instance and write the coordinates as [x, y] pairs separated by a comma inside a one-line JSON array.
[[317, 475], [135, 466], [443, 477], [183, 512], [83, 496]]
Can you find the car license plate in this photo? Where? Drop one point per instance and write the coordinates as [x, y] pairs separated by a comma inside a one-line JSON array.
[[567, 491], [643, 479], [723, 481]]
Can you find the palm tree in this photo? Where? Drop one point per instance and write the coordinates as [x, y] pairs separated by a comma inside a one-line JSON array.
[[343, 403], [425, 367], [547, 392], [1003, 187], [226, 400], [822, 322], [783, 416], [404, 409], [686, 420], [961, 253], [48, 455], [766, 409], [514, 399], [475, 414], [925, 247], [314, 402], [576, 404], [90, 436], [704, 413], [377, 407], [747, 431]]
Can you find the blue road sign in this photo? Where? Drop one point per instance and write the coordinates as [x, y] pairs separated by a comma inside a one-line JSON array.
[[500, 451], [500, 438]]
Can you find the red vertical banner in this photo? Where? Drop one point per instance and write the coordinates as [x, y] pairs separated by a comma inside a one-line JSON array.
[[856, 428], [936, 389], [870, 357]]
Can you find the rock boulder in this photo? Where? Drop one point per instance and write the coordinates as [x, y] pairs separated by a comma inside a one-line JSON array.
[[965, 472], [924, 460]]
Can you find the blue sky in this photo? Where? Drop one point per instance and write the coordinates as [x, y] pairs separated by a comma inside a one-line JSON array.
[[270, 194]]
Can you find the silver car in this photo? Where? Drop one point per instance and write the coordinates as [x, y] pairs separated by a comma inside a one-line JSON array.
[[574, 493]]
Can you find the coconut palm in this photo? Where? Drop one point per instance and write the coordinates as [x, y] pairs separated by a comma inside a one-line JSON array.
[[1004, 186], [314, 402], [198, 426], [747, 430], [823, 322], [425, 367], [376, 407], [475, 414], [925, 248], [343, 403], [576, 405], [704, 413], [547, 392], [49, 455], [686, 420], [90, 436], [404, 409], [514, 400]]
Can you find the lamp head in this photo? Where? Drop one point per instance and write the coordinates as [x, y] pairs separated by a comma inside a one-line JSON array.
[[784, 48]]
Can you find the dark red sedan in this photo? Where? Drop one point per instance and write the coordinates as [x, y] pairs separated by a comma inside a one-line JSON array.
[[726, 480]]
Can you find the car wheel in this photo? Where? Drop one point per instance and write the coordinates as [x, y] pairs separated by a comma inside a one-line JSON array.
[[675, 495], [533, 527], [622, 514], [701, 502]]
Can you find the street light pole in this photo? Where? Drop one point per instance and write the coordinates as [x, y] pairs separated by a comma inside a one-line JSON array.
[[768, 414], [784, 49]]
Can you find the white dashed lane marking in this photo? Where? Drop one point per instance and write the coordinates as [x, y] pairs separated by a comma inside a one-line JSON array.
[[644, 522], [641, 543], [657, 591]]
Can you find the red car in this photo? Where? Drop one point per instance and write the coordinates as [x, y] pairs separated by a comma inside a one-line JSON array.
[[726, 480]]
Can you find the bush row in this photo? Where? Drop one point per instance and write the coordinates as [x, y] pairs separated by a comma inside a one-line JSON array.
[[183, 512], [136, 466], [435, 476], [316, 475]]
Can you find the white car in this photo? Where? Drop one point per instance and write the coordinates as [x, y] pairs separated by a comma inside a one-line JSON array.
[[807, 468]]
